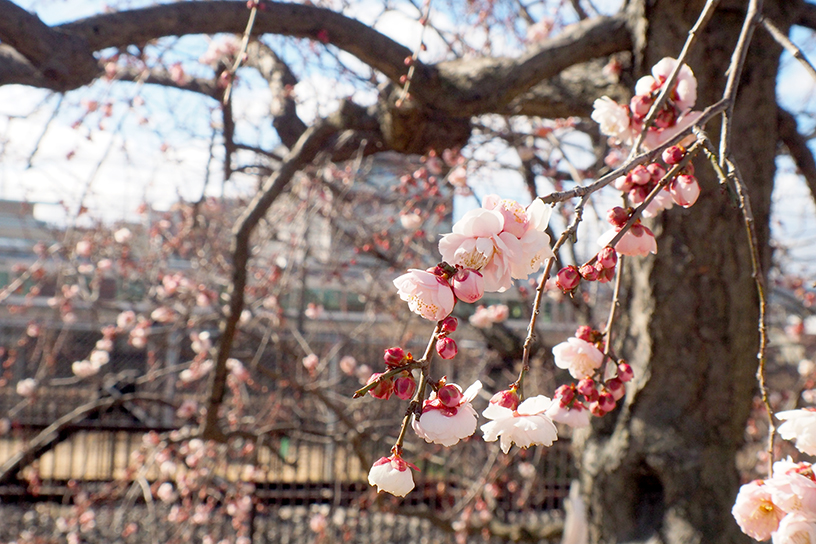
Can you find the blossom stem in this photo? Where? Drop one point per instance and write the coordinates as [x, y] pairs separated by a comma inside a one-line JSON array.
[[384, 376], [568, 233], [611, 320], [759, 280], [239, 58], [415, 406]]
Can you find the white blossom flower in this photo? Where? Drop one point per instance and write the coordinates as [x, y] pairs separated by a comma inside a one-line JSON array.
[[27, 387], [575, 416], [392, 475], [795, 529], [755, 511], [612, 117], [799, 426], [427, 294], [578, 356], [446, 425], [525, 426]]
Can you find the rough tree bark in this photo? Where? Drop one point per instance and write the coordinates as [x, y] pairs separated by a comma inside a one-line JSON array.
[[662, 470]]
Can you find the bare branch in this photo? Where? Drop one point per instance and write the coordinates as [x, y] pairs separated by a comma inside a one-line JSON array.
[[64, 60], [798, 148], [56, 431], [489, 85]]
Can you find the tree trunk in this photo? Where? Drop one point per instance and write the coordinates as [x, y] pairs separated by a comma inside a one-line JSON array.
[[661, 469]]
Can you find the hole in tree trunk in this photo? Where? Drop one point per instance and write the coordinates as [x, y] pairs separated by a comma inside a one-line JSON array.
[[649, 505]]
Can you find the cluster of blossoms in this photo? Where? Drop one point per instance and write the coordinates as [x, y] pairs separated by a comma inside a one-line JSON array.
[[783, 507], [581, 355], [488, 248], [388, 383], [623, 123]]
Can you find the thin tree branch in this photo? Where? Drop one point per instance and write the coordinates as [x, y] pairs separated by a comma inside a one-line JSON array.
[[798, 149]]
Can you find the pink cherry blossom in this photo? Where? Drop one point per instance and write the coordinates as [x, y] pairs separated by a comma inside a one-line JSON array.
[[468, 285], [795, 529], [575, 416], [613, 118], [685, 91], [792, 488], [637, 242], [446, 425], [426, 294], [525, 426], [684, 190], [478, 241], [755, 511], [800, 427], [392, 475], [578, 356], [513, 213], [122, 236]]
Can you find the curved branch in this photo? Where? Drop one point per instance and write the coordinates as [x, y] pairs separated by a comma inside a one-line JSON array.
[[300, 21], [490, 84], [56, 432], [798, 148], [64, 60]]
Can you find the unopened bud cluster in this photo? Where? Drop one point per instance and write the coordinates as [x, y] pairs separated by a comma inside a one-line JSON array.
[[402, 384]]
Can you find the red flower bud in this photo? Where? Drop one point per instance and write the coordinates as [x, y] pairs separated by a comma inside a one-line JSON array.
[[405, 387], [565, 393], [608, 257], [446, 348], [656, 171], [383, 389], [568, 278], [625, 372], [506, 399], [588, 272], [586, 387], [617, 216], [673, 155], [615, 386], [585, 333], [449, 324], [606, 402], [605, 275], [449, 395], [596, 410], [394, 356]]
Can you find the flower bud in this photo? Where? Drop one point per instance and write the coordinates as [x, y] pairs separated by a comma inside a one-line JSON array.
[[656, 171], [449, 395], [383, 389], [666, 118], [394, 356], [615, 386], [605, 275], [640, 175], [449, 324], [640, 105], [446, 348], [684, 190], [506, 399], [585, 333], [468, 285], [405, 387], [586, 387], [565, 394], [608, 257], [625, 372], [606, 402], [568, 278], [617, 216], [623, 183], [596, 410], [588, 272], [673, 155]]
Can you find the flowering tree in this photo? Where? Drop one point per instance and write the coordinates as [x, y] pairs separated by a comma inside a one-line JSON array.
[[688, 307]]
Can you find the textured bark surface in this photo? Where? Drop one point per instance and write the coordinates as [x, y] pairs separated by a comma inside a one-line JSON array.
[[662, 469]]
